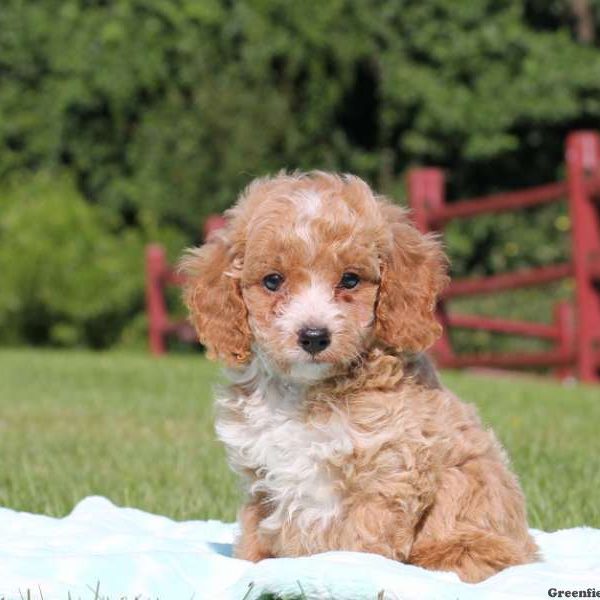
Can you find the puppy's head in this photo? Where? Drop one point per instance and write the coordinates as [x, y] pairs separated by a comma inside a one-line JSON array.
[[311, 271]]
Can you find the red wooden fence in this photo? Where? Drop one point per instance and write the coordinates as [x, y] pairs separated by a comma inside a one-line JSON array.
[[159, 275], [575, 333]]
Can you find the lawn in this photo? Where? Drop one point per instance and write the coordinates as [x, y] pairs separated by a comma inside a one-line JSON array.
[[139, 431]]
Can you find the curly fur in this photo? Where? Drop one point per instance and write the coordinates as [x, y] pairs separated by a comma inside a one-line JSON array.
[[357, 447]]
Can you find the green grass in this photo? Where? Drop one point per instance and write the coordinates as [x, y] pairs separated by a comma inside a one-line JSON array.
[[139, 431], [134, 429]]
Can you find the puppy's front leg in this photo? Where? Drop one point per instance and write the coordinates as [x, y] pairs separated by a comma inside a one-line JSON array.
[[251, 545]]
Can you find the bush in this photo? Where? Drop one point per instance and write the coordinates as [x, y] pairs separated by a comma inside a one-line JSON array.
[[72, 274]]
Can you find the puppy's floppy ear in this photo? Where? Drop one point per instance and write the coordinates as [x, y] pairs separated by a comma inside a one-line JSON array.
[[413, 273], [213, 296]]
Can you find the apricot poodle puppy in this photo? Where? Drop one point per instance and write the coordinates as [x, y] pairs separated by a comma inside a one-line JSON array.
[[320, 297]]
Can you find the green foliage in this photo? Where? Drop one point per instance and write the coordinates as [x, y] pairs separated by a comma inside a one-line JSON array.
[[509, 241], [168, 107], [475, 72], [71, 272], [175, 104]]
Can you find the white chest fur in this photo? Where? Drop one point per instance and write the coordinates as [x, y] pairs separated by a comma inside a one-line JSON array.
[[294, 462]]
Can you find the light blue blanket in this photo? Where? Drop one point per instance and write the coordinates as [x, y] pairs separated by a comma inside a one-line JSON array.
[[103, 551]]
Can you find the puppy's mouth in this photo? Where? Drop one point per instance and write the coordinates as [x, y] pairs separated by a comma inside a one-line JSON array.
[[328, 357], [319, 359], [311, 370]]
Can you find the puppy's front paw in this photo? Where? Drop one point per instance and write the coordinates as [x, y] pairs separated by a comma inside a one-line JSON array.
[[248, 549], [249, 545]]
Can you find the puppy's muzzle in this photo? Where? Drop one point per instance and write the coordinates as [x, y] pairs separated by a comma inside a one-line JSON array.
[[314, 340]]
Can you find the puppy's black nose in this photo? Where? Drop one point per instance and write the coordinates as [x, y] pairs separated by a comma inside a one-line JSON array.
[[314, 340]]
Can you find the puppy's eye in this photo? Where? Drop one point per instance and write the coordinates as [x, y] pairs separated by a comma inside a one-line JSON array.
[[349, 281], [273, 281]]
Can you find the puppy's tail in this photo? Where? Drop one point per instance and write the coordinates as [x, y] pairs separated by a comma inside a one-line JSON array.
[[473, 554]]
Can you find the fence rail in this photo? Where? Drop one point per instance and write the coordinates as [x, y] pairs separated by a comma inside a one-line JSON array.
[[510, 327], [508, 281], [499, 203]]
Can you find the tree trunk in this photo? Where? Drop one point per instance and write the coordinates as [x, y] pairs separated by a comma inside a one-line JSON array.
[[584, 21]]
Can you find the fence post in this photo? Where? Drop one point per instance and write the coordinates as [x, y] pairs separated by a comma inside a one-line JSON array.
[[212, 224], [426, 196], [156, 310], [565, 323], [583, 160]]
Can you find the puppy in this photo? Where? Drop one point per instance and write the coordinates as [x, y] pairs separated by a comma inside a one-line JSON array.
[[319, 296]]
